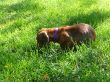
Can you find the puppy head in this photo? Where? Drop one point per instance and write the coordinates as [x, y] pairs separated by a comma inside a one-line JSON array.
[[42, 38]]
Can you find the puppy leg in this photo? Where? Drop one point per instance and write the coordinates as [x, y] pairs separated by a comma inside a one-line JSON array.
[[66, 41]]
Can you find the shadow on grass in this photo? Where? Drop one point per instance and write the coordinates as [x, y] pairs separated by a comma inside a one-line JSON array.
[[18, 10], [88, 3], [24, 6], [94, 18]]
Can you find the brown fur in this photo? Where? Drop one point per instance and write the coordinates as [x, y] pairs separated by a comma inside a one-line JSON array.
[[67, 36]]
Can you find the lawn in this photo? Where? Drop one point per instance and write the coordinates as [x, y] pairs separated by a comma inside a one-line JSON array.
[[20, 61]]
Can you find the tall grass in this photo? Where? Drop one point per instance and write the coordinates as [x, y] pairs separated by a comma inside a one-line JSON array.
[[19, 60]]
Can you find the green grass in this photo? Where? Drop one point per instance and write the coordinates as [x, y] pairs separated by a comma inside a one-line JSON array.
[[19, 60]]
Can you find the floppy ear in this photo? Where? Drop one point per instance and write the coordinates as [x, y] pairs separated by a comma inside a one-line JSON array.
[[42, 38]]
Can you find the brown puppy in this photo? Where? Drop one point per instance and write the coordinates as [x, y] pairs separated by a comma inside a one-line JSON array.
[[67, 36]]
